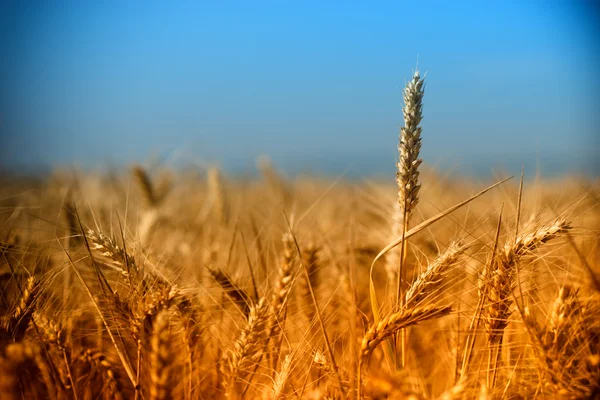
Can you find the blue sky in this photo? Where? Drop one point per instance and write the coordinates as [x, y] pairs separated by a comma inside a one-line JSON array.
[[315, 85]]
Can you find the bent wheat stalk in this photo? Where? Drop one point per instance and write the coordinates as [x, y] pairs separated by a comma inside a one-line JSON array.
[[431, 278], [388, 326]]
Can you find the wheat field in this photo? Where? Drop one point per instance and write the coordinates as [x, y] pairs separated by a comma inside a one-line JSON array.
[[161, 284]]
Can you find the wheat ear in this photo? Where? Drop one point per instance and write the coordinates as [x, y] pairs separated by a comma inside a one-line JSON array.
[[70, 212], [389, 326], [246, 349], [407, 166], [19, 320], [281, 379], [501, 276], [122, 262], [161, 358], [283, 285], [407, 178], [216, 194], [500, 284], [145, 185], [237, 295], [96, 359], [431, 279], [53, 334], [311, 260], [409, 147], [19, 363]]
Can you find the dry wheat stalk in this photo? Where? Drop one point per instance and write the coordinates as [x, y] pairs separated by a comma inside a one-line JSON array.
[[320, 362], [163, 186], [70, 213], [53, 334], [216, 194], [126, 265], [431, 278], [237, 295], [393, 323], [310, 259], [283, 285], [154, 304], [392, 260], [456, 392], [95, 359], [407, 175], [20, 362], [122, 262], [501, 277], [567, 349], [276, 182], [161, 358], [407, 178], [394, 386], [12, 362], [565, 309], [145, 186], [16, 325], [407, 168], [150, 215], [147, 221], [389, 326], [281, 379], [246, 349]]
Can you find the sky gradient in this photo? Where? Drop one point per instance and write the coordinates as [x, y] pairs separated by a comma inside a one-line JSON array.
[[315, 86]]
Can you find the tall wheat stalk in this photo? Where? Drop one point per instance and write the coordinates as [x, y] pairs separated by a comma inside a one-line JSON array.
[[407, 178]]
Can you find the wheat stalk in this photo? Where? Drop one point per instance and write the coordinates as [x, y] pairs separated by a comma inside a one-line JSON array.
[[122, 262], [18, 364], [407, 178], [161, 358], [392, 324], [145, 186], [96, 359], [407, 175], [310, 259], [283, 285], [430, 280], [53, 334], [18, 322], [246, 348], [407, 167], [501, 276], [281, 379], [216, 194], [237, 295]]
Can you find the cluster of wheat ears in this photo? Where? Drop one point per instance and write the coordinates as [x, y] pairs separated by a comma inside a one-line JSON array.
[[147, 286]]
